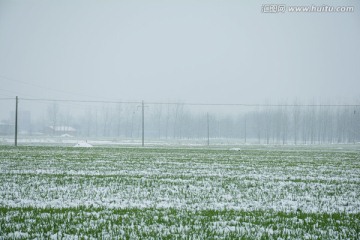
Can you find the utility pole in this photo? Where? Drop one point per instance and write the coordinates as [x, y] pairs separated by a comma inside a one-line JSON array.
[[143, 124], [208, 130], [16, 120]]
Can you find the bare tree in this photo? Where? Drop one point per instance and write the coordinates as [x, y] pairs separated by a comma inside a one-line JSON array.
[[53, 112], [296, 121]]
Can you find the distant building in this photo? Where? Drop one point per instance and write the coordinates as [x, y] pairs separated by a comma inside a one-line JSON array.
[[24, 121], [6, 128], [61, 130]]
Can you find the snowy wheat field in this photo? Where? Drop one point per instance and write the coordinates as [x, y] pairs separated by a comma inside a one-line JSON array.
[[173, 193]]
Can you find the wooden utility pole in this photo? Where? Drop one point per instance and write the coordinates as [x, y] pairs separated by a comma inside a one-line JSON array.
[[16, 120]]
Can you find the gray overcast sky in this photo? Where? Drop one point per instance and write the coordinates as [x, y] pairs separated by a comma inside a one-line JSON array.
[[190, 51]]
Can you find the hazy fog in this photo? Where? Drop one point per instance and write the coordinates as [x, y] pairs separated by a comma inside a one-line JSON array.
[[189, 51]]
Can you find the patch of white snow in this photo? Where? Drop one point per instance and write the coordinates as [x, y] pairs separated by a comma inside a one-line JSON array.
[[83, 144]]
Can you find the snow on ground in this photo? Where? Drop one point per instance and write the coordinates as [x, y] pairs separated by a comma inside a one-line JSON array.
[[83, 144], [196, 179], [169, 191], [235, 149]]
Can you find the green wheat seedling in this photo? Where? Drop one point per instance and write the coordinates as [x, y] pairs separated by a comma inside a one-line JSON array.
[[159, 193]]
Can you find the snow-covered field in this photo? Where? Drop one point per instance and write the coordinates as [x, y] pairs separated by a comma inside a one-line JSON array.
[[110, 193]]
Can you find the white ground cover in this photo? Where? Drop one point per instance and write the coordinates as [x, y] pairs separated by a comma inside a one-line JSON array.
[[83, 144], [187, 193]]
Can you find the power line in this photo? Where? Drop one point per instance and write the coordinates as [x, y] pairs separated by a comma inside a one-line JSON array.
[[27, 83], [74, 101], [43, 87], [157, 103], [258, 105], [17, 92], [9, 91], [191, 104]]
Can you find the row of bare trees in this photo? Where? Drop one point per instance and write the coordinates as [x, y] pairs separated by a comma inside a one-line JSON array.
[[282, 124], [306, 125]]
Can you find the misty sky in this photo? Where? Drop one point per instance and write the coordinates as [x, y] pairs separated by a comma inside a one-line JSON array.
[[189, 51]]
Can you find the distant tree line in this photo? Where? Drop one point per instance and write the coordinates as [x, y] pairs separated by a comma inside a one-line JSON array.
[[282, 124]]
